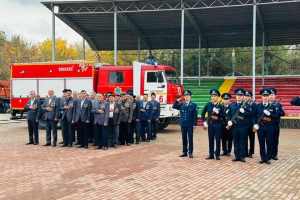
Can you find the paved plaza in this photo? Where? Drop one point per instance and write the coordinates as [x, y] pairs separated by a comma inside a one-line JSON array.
[[146, 171]]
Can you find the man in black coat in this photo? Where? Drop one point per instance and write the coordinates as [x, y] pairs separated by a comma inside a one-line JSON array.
[[82, 117]]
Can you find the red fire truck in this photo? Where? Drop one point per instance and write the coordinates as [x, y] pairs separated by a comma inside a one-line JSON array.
[[141, 78], [4, 96]]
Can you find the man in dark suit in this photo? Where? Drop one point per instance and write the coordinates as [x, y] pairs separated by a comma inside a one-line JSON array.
[[188, 121], [126, 119], [146, 116], [114, 120], [67, 106], [33, 108], [91, 132], [101, 110], [51, 108], [135, 124], [155, 117], [82, 117]]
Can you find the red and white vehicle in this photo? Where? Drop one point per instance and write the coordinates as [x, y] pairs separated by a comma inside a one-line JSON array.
[[141, 78]]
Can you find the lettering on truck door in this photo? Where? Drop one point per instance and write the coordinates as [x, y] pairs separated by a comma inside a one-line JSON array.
[[156, 82]]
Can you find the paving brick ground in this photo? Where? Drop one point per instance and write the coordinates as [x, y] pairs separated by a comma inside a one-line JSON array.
[[148, 171]]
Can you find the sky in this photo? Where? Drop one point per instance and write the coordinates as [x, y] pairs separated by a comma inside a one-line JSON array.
[[33, 21]]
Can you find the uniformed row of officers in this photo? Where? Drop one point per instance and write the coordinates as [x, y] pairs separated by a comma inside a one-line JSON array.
[[104, 120], [234, 122]]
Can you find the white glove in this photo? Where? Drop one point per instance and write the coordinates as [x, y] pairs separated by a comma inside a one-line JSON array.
[[242, 110], [256, 126], [216, 110], [267, 112], [205, 124], [229, 123]]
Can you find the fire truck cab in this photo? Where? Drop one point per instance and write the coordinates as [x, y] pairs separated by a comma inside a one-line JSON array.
[[141, 78]]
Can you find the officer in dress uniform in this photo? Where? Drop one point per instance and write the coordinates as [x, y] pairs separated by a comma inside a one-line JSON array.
[[250, 133], [295, 101], [226, 135], [267, 112], [51, 109], [100, 109], [68, 128], [33, 109], [276, 126], [217, 113], [239, 125], [155, 116], [126, 119], [82, 117], [146, 116], [135, 124], [188, 121]]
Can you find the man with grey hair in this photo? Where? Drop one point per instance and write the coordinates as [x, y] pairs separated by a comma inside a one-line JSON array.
[[33, 108], [51, 109], [75, 94]]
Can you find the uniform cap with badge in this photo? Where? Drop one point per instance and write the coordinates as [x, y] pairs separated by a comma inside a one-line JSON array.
[[226, 96], [187, 92], [273, 91], [240, 91], [214, 92], [248, 93], [265, 92]]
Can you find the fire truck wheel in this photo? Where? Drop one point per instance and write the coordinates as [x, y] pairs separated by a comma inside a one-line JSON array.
[[164, 125], [42, 124]]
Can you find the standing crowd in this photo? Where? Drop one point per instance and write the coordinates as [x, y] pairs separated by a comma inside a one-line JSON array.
[[103, 120]]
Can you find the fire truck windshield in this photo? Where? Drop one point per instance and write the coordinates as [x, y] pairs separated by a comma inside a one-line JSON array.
[[171, 76]]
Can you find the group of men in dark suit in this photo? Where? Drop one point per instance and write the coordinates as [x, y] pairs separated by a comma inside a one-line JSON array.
[[239, 121], [104, 122]]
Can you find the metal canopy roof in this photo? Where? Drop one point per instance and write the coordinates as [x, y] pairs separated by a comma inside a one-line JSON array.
[[221, 23]]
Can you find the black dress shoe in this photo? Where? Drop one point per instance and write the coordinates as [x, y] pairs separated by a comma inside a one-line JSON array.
[[105, 148], [54, 145], [28, 143], [147, 140], [70, 145], [86, 147], [97, 148], [228, 154], [183, 155], [128, 144], [274, 157], [137, 142], [217, 158], [261, 162], [143, 140], [115, 145], [250, 156], [65, 145], [154, 138], [243, 160], [191, 155], [209, 157], [223, 154], [268, 162], [47, 144], [80, 146], [112, 145], [94, 145], [236, 159], [35, 143], [77, 143], [61, 142]]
